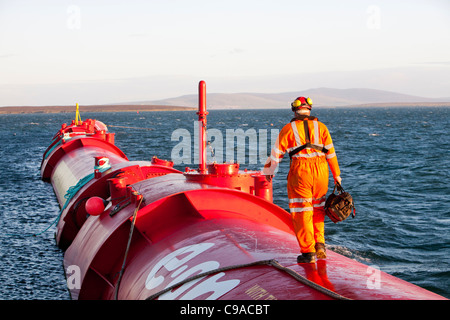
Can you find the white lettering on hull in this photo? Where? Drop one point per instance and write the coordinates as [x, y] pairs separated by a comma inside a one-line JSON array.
[[181, 271]]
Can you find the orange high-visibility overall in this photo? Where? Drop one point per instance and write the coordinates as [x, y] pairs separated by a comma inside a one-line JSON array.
[[307, 183]]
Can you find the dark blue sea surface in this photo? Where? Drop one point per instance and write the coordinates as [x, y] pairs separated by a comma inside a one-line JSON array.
[[394, 162]]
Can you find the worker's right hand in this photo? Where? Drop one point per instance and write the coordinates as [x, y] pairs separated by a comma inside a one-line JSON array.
[[337, 180]]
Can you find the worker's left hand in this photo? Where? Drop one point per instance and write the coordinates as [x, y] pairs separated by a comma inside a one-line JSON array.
[[338, 179]]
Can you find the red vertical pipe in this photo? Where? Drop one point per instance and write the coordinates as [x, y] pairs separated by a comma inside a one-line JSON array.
[[202, 125]]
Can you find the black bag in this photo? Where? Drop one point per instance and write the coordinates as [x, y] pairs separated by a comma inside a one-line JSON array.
[[339, 206]]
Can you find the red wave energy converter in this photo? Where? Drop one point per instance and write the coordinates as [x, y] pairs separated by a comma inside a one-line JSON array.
[[144, 230]]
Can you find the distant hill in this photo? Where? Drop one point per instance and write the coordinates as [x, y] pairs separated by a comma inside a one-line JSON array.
[[322, 97]]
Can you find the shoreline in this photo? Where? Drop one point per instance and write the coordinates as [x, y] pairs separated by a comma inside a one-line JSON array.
[[91, 108], [150, 108]]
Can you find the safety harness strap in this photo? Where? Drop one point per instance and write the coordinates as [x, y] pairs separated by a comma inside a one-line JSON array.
[[308, 143]]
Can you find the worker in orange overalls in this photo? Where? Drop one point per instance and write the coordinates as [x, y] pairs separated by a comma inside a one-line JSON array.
[[309, 145]]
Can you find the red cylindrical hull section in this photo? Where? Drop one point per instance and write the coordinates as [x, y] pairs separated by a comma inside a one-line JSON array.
[[71, 165], [74, 166], [187, 229]]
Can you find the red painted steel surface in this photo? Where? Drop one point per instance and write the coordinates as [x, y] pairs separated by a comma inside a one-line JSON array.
[[185, 224]]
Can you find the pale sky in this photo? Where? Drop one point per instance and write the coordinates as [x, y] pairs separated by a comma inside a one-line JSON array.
[[55, 52]]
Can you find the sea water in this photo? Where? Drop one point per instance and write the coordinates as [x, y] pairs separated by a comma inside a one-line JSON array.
[[394, 162]]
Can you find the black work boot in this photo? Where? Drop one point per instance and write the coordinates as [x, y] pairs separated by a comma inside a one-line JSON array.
[[306, 258], [320, 250]]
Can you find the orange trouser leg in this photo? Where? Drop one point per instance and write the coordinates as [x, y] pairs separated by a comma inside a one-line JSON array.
[[304, 230], [318, 224], [307, 188]]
